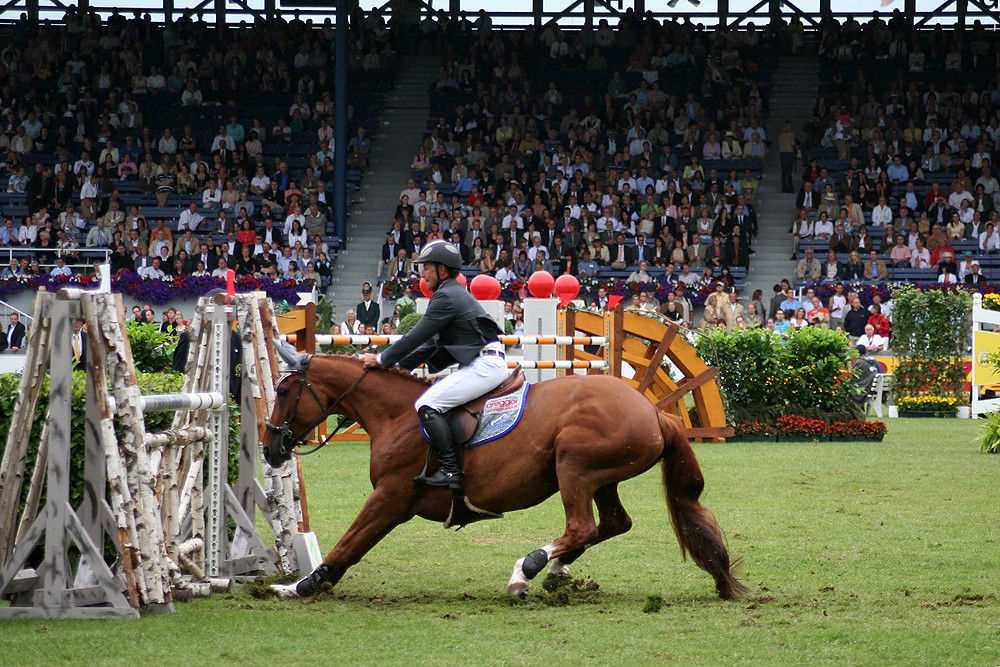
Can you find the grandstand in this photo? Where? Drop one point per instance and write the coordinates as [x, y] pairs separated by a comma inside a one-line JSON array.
[[643, 138]]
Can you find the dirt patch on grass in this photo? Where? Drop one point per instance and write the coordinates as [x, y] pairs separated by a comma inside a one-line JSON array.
[[965, 599], [260, 588], [564, 591]]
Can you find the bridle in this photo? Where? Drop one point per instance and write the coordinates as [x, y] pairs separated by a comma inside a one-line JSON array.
[[287, 441]]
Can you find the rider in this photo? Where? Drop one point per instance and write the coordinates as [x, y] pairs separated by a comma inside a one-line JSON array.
[[454, 329]]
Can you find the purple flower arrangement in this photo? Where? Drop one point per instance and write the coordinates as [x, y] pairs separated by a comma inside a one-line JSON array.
[[158, 291]]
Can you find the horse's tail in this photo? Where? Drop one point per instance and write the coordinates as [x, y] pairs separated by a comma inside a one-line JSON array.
[[696, 528]]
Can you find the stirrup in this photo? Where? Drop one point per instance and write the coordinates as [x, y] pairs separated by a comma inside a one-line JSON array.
[[440, 478]]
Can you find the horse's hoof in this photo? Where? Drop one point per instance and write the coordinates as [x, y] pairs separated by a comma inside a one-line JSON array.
[[518, 589], [285, 590]]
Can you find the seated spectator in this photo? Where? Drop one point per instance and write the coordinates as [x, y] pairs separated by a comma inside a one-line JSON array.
[[871, 340], [875, 268], [920, 258], [900, 255], [989, 240], [809, 268], [853, 269]]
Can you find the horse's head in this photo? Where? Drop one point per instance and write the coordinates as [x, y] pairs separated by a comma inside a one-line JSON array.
[[291, 417]]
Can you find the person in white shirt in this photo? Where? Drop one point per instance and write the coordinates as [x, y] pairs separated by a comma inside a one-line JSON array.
[[882, 214], [222, 269], [351, 326], [802, 230], [61, 269], [955, 198], [823, 229], [223, 141], [294, 213], [411, 191], [84, 161], [871, 340], [190, 218], [156, 83], [921, 257], [513, 216], [69, 220], [260, 183], [167, 144], [947, 277], [989, 241], [89, 192], [28, 233], [153, 270], [212, 195], [506, 274]]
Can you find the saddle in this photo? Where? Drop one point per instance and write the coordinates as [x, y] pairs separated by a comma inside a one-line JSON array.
[[465, 418]]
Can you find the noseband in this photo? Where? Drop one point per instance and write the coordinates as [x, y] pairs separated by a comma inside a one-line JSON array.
[[286, 440]]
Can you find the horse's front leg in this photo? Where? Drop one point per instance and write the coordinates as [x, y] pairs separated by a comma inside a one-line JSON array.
[[383, 511]]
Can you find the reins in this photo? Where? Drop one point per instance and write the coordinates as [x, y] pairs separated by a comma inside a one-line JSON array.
[[285, 431]]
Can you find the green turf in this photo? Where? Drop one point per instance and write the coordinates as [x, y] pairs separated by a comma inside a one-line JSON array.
[[855, 554]]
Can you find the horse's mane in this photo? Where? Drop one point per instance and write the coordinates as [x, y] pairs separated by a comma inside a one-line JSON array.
[[401, 372]]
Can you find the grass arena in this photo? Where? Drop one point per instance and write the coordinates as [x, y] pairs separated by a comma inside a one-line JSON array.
[[854, 553]]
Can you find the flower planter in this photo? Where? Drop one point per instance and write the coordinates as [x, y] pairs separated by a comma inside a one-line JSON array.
[[949, 414], [752, 438]]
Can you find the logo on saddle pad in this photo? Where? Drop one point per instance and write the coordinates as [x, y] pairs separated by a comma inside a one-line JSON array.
[[498, 416]]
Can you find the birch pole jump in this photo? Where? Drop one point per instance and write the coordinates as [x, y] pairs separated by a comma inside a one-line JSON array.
[[145, 492]]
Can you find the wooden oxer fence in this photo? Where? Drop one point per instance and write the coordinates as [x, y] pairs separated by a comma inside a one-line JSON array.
[[641, 349]]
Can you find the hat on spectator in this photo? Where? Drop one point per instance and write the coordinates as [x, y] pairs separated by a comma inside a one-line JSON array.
[[967, 253]]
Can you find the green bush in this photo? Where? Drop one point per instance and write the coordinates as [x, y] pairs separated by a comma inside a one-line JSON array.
[[762, 377], [406, 309], [149, 383], [324, 314], [152, 350], [408, 323], [929, 333]]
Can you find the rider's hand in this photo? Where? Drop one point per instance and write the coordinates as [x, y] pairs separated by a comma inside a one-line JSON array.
[[371, 361]]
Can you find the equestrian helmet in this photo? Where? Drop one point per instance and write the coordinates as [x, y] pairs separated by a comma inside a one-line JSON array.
[[441, 252]]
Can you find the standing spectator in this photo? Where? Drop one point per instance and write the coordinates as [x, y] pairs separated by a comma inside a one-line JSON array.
[[855, 321], [368, 311]]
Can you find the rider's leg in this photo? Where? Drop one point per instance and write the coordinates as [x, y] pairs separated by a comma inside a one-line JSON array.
[[439, 432], [451, 391]]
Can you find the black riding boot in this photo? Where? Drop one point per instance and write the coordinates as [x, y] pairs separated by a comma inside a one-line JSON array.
[[439, 432]]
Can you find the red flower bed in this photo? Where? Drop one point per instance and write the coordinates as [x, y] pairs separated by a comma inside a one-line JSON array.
[[803, 427]]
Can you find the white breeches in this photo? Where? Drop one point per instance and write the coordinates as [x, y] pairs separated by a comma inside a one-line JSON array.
[[484, 374]]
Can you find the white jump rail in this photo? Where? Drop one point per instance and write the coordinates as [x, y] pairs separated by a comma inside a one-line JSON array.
[[172, 402], [328, 339]]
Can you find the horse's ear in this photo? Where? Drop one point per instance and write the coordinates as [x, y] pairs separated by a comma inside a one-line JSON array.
[[294, 359]]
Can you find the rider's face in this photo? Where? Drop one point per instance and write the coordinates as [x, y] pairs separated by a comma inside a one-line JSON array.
[[429, 272]]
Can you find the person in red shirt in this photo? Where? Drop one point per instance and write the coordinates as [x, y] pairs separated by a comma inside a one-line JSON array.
[[879, 321]]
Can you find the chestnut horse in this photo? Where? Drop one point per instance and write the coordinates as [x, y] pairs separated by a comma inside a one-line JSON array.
[[579, 436]]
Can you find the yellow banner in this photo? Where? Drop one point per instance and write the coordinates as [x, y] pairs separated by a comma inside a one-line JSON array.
[[984, 343]]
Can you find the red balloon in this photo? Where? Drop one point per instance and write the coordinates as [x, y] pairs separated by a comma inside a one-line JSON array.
[[461, 278], [567, 288], [540, 284], [485, 288], [424, 289]]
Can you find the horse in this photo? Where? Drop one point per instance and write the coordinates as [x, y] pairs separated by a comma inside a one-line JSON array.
[[580, 436]]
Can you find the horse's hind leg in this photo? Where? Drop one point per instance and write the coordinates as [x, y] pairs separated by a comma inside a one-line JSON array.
[[581, 531], [614, 520]]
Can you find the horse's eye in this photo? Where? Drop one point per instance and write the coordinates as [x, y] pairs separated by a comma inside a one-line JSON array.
[[282, 392]]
